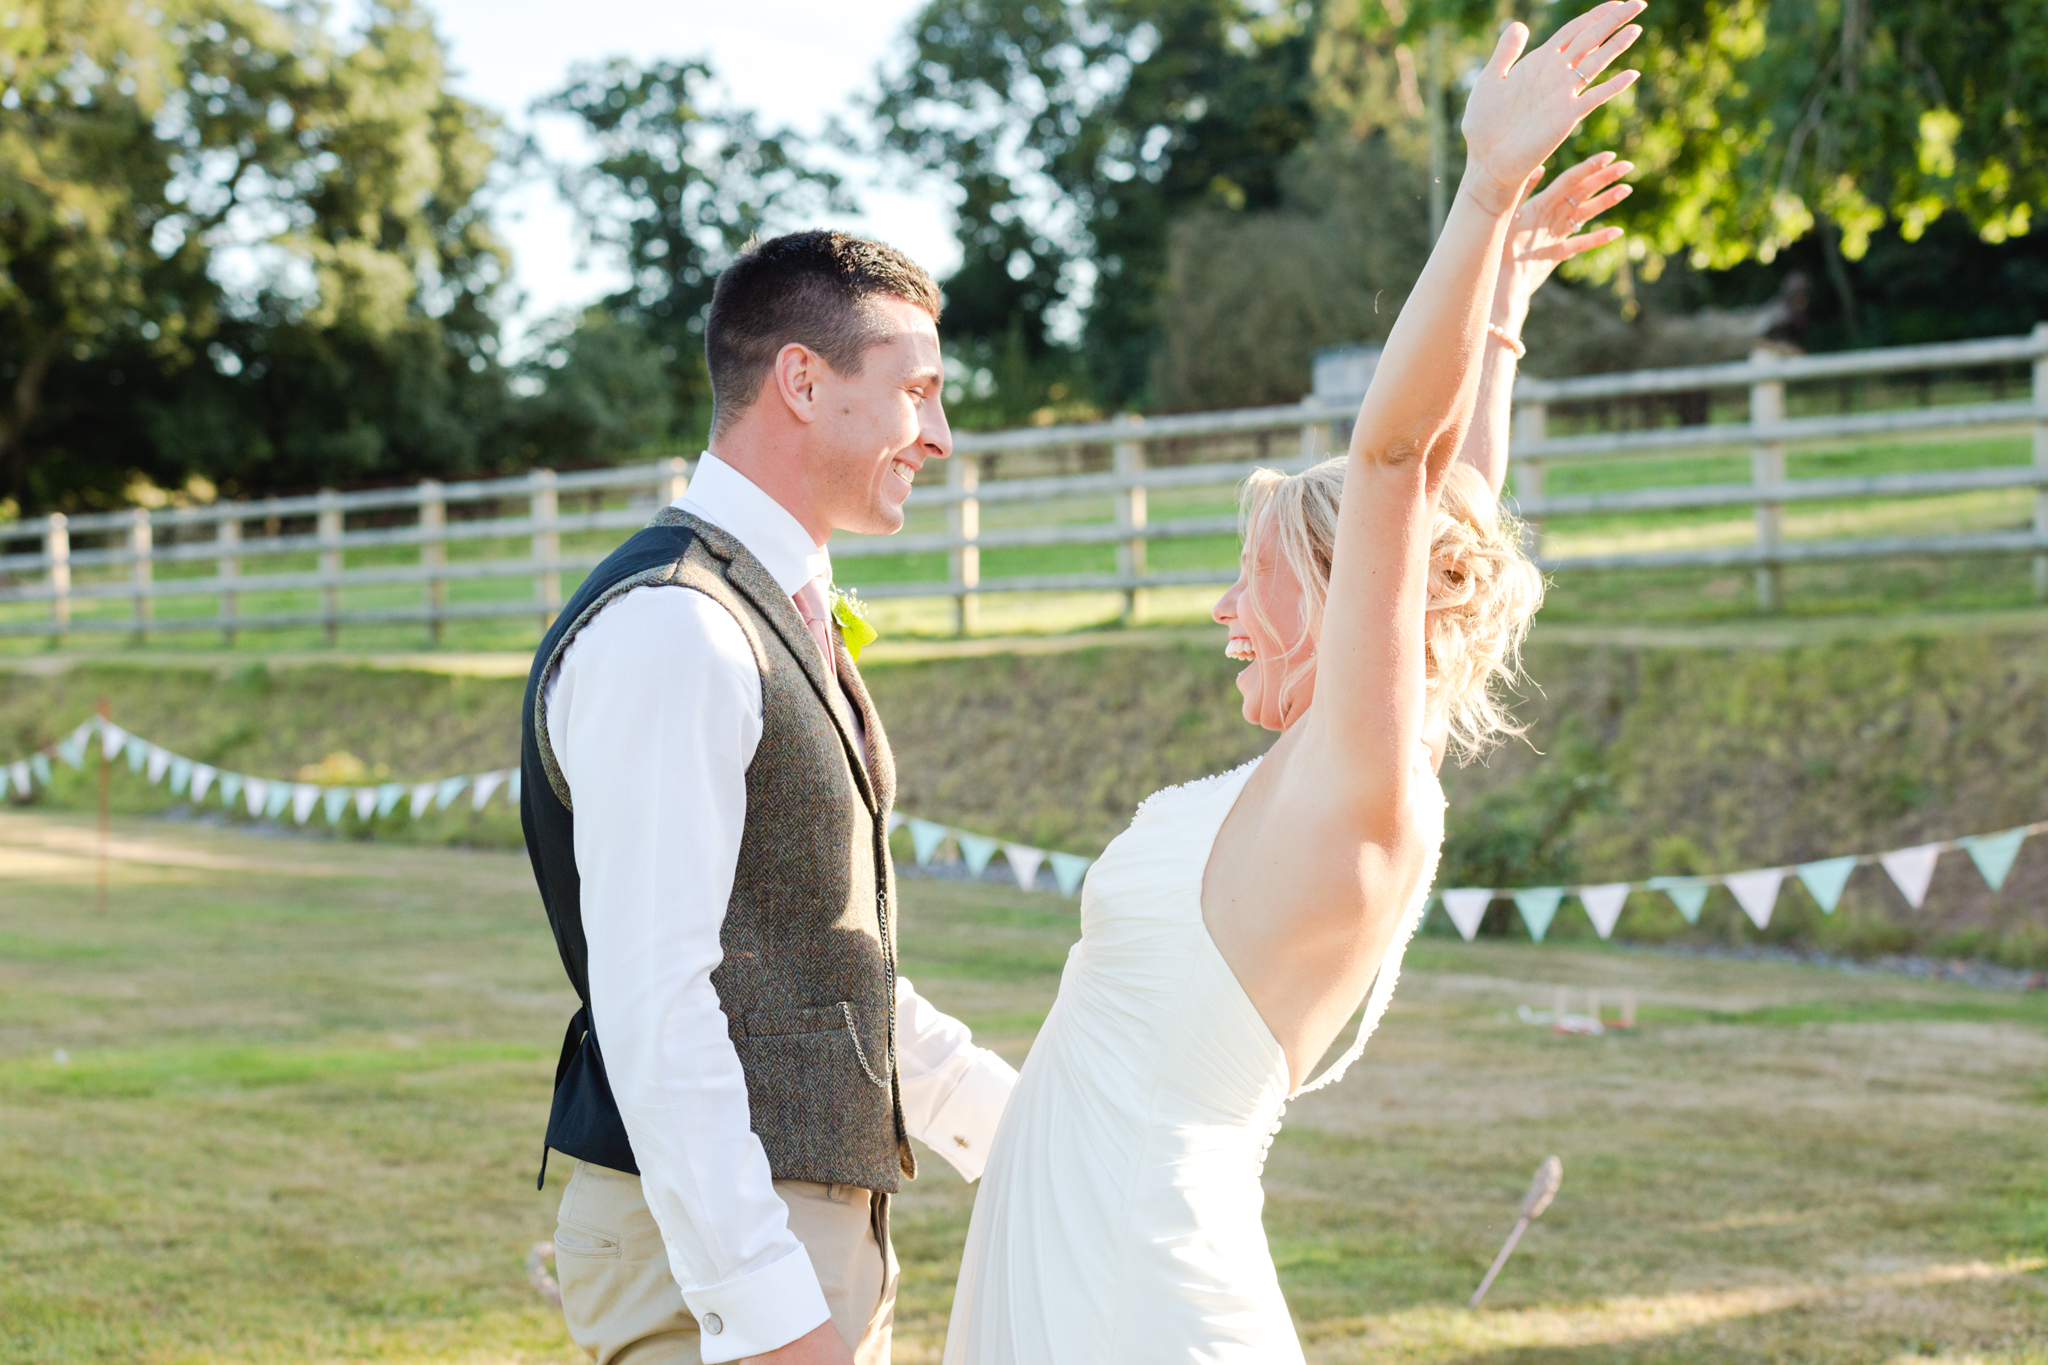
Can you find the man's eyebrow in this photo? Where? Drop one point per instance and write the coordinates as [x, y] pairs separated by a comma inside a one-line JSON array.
[[925, 373]]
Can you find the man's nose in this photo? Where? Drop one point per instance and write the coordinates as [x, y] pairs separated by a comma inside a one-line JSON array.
[[936, 435]]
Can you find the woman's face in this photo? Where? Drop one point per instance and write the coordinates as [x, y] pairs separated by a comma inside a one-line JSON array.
[[1270, 640]]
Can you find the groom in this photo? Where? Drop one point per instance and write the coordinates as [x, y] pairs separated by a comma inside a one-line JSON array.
[[706, 793]]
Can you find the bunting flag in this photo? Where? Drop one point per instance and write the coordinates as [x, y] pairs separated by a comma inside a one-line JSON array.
[[181, 775], [1466, 907], [486, 783], [258, 792], [1994, 853], [202, 778], [159, 764], [333, 802], [1024, 863], [925, 838], [230, 788], [1603, 905], [113, 739], [19, 768], [5, 778], [365, 802], [896, 818], [1068, 870], [421, 795], [388, 797], [447, 790], [512, 789], [1912, 869], [976, 849], [1689, 894], [1538, 905], [137, 754], [72, 750], [1757, 893], [1825, 880]]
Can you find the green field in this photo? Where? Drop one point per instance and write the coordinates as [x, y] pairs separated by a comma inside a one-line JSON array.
[[1669, 596], [300, 1114]]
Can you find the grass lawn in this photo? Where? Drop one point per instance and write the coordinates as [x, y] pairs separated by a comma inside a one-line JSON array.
[[301, 1109]]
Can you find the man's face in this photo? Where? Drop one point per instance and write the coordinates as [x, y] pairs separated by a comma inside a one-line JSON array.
[[875, 429]]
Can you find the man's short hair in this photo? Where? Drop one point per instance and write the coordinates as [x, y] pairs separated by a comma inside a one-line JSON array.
[[812, 288]]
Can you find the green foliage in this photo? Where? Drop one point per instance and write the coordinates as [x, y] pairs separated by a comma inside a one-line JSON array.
[[239, 249], [1077, 133], [677, 189]]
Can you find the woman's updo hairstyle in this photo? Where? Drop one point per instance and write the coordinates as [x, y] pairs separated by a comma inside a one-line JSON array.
[[1482, 588]]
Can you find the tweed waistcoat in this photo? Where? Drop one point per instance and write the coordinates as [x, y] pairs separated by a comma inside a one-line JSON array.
[[808, 979]]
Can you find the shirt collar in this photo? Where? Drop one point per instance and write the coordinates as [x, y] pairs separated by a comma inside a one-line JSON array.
[[735, 504]]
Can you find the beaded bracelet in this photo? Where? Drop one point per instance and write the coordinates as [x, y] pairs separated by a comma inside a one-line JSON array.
[[1507, 339]]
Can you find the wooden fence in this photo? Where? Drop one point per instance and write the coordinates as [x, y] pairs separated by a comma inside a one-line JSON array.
[[40, 559]]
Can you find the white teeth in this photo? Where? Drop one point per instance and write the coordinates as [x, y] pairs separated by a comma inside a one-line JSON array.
[[1240, 649]]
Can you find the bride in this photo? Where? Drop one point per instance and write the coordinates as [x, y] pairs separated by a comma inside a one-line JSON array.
[[1233, 928]]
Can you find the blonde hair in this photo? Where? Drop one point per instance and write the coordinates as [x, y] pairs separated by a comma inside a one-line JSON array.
[[1482, 588]]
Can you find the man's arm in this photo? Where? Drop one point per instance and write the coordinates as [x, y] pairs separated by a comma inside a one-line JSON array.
[[953, 1091], [654, 717]]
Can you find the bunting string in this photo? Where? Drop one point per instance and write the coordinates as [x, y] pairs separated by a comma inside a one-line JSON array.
[[1756, 890]]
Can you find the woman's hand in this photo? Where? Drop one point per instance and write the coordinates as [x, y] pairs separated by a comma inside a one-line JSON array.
[[1523, 107], [1550, 228]]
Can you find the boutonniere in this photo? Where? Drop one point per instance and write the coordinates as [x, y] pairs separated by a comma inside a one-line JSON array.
[[853, 622]]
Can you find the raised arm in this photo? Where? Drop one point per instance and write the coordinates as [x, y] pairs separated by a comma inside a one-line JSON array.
[[1548, 229], [1367, 717]]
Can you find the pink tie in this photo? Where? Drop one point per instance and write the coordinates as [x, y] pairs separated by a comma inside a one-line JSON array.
[[811, 605]]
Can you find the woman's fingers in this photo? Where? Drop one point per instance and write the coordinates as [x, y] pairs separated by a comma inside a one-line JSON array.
[[1601, 57], [1590, 209], [1569, 31], [1597, 26], [1607, 90], [1586, 241], [1508, 50]]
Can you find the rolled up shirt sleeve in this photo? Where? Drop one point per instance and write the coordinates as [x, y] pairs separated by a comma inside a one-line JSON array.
[[953, 1091], [654, 715]]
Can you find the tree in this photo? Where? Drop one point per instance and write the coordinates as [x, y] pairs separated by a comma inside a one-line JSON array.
[[1078, 133], [678, 187], [237, 248]]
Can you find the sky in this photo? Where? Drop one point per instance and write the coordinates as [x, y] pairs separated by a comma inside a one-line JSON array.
[[797, 62]]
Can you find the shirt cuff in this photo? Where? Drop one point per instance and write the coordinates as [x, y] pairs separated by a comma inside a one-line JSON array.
[[759, 1311], [965, 1127]]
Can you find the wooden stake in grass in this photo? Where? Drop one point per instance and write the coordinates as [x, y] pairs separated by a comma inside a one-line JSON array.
[[1541, 1191], [106, 712]]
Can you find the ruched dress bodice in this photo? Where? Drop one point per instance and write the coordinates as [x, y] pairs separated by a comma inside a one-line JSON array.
[[1119, 1219]]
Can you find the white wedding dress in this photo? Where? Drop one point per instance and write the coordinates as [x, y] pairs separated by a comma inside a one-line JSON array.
[[1119, 1218]]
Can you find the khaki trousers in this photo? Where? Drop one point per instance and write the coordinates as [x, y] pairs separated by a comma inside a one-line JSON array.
[[621, 1299]]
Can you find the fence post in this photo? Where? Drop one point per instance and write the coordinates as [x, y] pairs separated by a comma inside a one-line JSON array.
[[1128, 457], [434, 552], [671, 478], [1767, 466], [2041, 462], [547, 546], [57, 551], [327, 529], [1531, 423], [963, 522], [227, 538], [141, 540]]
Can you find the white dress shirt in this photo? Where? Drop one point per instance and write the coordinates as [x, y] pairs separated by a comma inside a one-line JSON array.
[[654, 714]]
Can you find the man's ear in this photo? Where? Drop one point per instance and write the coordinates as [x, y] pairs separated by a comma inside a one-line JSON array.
[[795, 377]]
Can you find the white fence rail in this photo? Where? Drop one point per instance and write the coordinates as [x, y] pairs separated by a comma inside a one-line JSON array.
[[41, 559]]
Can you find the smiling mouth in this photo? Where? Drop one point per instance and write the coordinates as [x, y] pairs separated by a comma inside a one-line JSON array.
[[903, 469], [1240, 648]]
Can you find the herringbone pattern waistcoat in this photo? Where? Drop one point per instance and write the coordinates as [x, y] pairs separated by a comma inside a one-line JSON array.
[[808, 981]]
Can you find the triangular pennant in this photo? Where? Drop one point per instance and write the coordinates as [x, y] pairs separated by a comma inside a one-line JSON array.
[[202, 778], [280, 800], [896, 819], [977, 849], [136, 751], [421, 795], [1912, 869], [19, 769], [1024, 863], [1994, 853], [387, 797], [159, 762], [1068, 869], [1603, 905], [303, 798], [512, 789], [72, 751], [333, 802], [39, 764], [448, 789], [1756, 892], [366, 802], [925, 838], [1466, 907], [1538, 905], [1825, 880], [5, 778], [486, 783], [230, 788], [181, 775], [1687, 893], [112, 740], [258, 793]]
